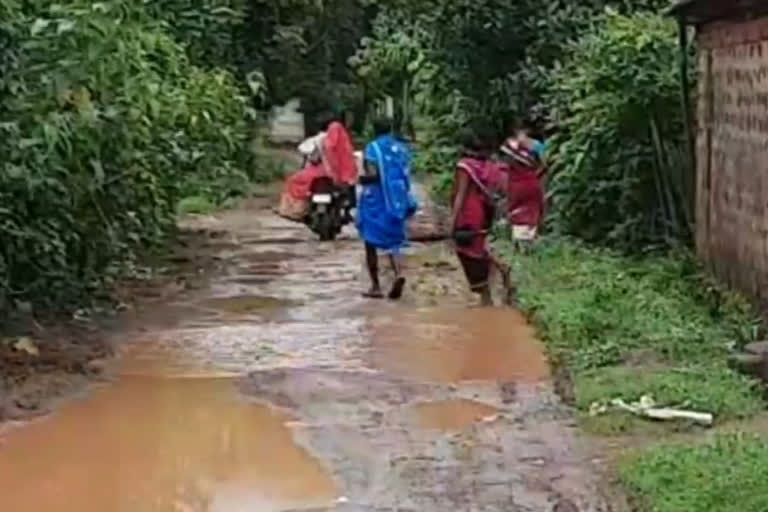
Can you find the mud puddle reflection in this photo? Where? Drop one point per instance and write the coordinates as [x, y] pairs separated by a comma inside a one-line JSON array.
[[455, 345], [160, 445]]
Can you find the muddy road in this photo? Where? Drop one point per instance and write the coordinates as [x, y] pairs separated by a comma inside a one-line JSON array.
[[275, 387]]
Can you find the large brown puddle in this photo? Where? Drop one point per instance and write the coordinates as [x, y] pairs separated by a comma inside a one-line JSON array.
[[454, 345], [154, 445]]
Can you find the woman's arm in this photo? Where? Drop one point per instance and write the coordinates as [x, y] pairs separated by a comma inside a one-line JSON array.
[[462, 185], [371, 174]]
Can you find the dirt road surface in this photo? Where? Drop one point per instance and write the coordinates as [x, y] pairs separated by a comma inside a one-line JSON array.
[[276, 387]]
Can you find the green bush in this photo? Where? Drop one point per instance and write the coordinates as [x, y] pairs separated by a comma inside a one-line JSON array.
[[105, 125], [621, 173]]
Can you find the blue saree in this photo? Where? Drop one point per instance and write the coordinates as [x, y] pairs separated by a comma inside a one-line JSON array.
[[386, 205]]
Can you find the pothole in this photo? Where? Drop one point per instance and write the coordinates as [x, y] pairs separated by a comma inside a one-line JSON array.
[[456, 345], [161, 446]]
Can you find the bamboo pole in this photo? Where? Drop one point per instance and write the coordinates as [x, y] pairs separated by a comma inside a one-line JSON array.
[[685, 98]]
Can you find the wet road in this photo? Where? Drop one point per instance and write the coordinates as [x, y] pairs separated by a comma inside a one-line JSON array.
[[276, 387]]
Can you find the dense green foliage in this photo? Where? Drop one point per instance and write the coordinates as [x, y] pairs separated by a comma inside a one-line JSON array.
[[105, 123], [627, 327], [605, 73], [281, 49], [622, 175], [727, 474]]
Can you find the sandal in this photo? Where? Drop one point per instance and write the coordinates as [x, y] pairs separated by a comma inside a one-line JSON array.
[[397, 289], [373, 294]]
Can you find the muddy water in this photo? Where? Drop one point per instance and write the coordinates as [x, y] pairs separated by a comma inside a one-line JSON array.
[[452, 415], [157, 445], [459, 344], [422, 405]]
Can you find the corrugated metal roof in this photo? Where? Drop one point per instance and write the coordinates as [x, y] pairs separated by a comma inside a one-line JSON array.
[[696, 12]]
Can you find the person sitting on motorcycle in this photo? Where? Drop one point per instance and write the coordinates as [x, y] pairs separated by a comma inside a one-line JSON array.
[[297, 191], [339, 152], [330, 153], [385, 205]]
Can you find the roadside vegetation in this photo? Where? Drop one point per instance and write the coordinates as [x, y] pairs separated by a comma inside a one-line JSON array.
[[626, 327], [726, 474], [115, 116]]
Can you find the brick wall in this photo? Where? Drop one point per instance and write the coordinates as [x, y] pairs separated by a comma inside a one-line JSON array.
[[732, 153]]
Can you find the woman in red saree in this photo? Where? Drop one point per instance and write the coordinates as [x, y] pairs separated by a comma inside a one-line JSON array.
[[297, 191], [331, 154], [525, 193], [476, 181]]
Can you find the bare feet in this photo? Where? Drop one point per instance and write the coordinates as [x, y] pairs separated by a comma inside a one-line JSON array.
[[485, 297]]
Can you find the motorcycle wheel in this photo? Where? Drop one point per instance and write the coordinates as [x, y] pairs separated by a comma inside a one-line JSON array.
[[324, 228]]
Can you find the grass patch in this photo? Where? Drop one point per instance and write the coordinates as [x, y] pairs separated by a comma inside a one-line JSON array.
[[728, 474], [627, 327], [195, 205], [716, 389]]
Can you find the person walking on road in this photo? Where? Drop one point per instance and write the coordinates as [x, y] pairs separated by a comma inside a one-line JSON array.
[[477, 179], [525, 193], [385, 205]]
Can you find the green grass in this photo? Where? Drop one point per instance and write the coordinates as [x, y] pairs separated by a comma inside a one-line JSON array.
[[654, 325], [728, 474], [197, 205], [628, 327]]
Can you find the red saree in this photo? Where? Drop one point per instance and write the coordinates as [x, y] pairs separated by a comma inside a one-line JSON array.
[[340, 154], [525, 197], [297, 191], [476, 215]]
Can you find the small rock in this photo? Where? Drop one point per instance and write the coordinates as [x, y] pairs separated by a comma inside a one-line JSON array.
[[27, 345], [96, 365]]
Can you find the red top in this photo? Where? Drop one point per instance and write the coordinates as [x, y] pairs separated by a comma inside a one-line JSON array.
[[525, 196], [299, 184], [484, 177]]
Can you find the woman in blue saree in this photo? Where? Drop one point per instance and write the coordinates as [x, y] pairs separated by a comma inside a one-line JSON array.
[[385, 205]]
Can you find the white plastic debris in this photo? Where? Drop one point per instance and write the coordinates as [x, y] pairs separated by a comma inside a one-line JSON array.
[[646, 407]]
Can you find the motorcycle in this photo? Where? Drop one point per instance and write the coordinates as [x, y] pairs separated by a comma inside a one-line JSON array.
[[330, 204], [329, 208]]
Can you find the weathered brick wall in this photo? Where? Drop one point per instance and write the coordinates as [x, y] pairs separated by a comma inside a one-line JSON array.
[[732, 153]]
